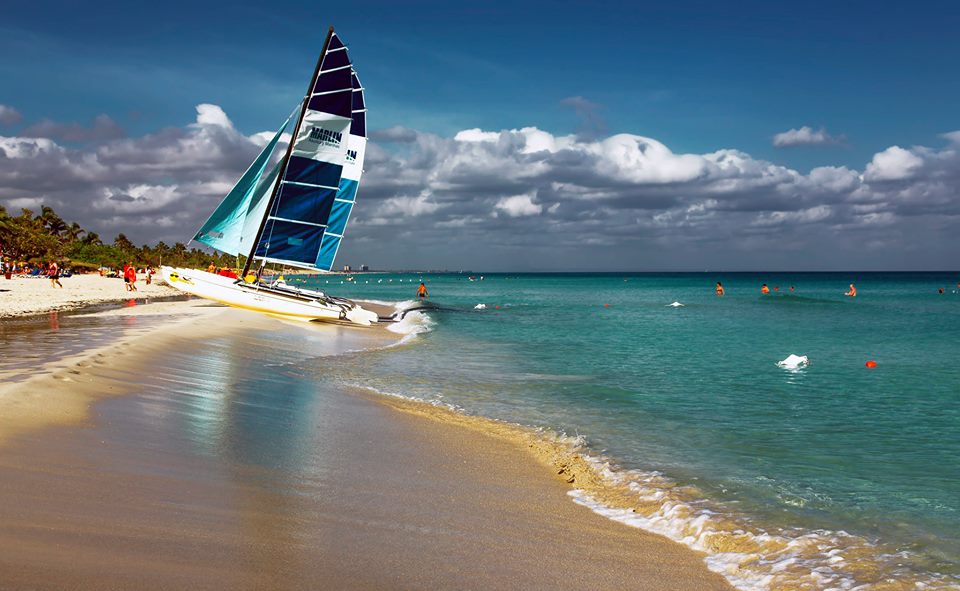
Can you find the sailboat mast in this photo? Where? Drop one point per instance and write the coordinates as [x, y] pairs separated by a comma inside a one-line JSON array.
[[286, 157]]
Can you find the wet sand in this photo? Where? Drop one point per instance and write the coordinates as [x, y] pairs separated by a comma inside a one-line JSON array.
[[217, 471]]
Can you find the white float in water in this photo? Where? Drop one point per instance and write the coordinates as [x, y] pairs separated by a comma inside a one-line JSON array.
[[675, 305], [794, 362], [480, 307]]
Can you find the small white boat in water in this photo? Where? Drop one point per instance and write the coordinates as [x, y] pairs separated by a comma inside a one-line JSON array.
[[294, 215]]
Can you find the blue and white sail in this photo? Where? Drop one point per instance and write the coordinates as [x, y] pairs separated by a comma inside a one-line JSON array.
[[310, 181], [257, 209], [223, 230], [349, 181]]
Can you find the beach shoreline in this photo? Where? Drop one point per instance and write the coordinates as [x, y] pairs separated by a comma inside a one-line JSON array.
[[450, 455], [29, 296]]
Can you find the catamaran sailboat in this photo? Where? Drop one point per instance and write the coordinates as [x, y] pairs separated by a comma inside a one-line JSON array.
[[294, 214]]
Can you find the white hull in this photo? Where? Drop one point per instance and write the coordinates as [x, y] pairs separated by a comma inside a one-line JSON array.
[[290, 303]]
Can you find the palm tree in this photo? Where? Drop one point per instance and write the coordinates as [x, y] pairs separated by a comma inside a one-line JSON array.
[[93, 239], [74, 232], [52, 221], [179, 249]]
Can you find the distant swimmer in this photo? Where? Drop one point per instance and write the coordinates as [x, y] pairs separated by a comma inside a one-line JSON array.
[[422, 291], [719, 289], [764, 289], [940, 290], [793, 289], [852, 293], [776, 288]]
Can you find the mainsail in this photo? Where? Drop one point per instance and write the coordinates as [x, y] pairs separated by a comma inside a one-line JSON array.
[[311, 190], [349, 181], [223, 230]]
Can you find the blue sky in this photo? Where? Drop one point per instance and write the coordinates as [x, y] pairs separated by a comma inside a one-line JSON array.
[[696, 76]]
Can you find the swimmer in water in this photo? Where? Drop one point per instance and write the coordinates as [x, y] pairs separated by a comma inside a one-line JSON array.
[[792, 289], [719, 289], [764, 289], [852, 293], [422, 291]]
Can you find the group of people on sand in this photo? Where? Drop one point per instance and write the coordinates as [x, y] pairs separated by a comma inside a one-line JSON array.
[[130, 276]]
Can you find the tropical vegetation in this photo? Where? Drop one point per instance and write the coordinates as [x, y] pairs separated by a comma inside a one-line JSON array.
[[46, 236]]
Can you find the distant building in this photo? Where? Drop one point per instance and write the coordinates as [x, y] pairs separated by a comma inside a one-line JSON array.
[[347, 269], [364, 267]]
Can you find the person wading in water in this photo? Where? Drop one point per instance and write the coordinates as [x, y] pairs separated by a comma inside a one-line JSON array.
[[422, 291]]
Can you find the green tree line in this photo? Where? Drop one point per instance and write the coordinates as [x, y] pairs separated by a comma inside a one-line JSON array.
[[46, 236]]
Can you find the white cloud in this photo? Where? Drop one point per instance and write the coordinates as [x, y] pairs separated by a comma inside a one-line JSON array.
[[814, 214], [407, 206], [629, 197], [953, 136], [805, 136], [518, 206], [208, 114], [476, 135], [892, 164]]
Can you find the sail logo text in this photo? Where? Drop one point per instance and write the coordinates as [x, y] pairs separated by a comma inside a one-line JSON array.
[[326, 137], [351, 155]]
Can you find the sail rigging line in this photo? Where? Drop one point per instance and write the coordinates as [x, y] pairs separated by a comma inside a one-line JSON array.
[[286, 159]]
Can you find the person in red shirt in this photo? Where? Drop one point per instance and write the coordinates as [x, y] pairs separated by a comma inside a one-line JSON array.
[[130, 277], [53, 272]]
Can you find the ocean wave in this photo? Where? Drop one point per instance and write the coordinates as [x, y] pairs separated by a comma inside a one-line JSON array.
[[412, 324], [750, 557]]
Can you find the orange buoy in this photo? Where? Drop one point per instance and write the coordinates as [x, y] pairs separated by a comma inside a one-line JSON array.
[[498, 307], [871, 364], [606, 305]]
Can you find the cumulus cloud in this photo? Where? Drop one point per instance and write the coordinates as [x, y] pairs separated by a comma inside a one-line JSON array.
[[805, 136], [9, 115], [518, 205], [892, 164], [483, 197], [104, 128]]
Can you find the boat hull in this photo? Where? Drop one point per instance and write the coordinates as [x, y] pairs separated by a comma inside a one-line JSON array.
[[284, 303]]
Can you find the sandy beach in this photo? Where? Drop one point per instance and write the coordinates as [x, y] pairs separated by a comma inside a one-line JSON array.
[[169, 459], [20, 296]]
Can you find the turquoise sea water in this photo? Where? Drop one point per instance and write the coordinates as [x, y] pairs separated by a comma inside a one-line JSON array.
[[857, 469]]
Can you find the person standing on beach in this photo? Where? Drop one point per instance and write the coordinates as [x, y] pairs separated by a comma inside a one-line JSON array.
[[422, 291], [719, 290], [53, 272], [130, 276]]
